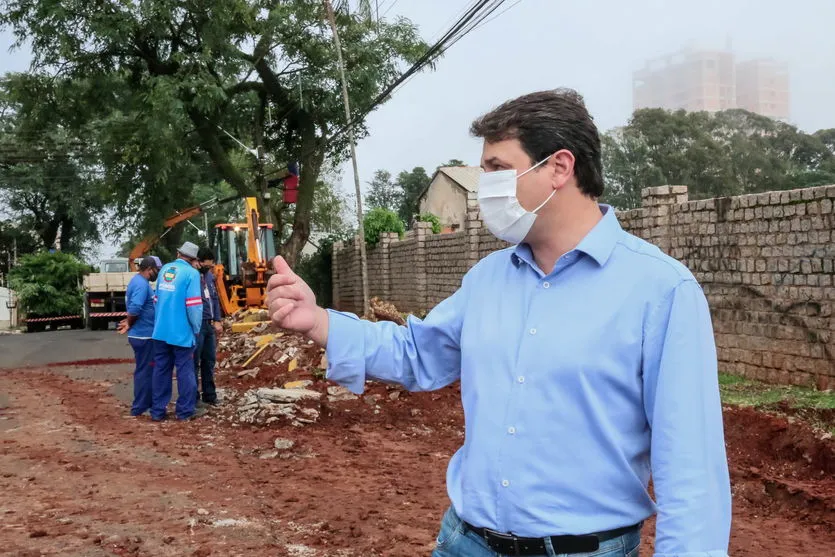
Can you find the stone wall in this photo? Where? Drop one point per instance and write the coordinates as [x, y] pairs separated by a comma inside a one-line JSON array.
[[766, 263], [446, 262]]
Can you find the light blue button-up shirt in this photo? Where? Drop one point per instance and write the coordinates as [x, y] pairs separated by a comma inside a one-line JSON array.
[[576, 385]]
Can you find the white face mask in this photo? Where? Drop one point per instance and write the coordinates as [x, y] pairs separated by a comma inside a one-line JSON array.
[[500, 209]]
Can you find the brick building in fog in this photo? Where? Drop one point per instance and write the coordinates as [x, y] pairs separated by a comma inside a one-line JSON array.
[[712, 80]]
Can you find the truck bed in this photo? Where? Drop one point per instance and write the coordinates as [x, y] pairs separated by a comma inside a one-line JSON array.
[[107, 282]]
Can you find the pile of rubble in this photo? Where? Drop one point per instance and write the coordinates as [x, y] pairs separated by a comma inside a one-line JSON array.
[[260, 347], [383, 311], [264, 406], [279, 368]]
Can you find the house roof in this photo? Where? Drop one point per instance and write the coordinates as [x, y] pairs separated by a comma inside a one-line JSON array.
[[464, 176]]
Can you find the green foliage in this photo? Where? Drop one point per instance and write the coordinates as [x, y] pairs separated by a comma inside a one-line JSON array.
[[162, 86], [378, 221], [733, 152], [383, 192], [429, 217], [413, 184], [333, 210], [453, 162], [47, 182], [14, 236], [49, 283]]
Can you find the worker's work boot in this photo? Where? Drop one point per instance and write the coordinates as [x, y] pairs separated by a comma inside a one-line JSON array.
[[198, 413]]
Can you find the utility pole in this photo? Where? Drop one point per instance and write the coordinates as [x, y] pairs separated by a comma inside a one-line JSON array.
[[12, 298], [259, 146], [361, 239]]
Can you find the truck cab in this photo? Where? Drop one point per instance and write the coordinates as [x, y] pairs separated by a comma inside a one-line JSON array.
[[104, 293], [117, 265]]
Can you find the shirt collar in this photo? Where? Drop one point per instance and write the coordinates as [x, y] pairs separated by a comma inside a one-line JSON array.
[[597, 244]]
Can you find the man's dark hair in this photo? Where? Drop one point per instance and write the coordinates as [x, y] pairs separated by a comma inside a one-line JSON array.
[[544, 123], [205, 253]]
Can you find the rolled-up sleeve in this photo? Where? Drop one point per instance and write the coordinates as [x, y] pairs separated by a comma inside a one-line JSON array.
[[423, 355], [682, 404]]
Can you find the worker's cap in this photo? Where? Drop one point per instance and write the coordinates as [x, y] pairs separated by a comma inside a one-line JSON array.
[[150, 262], [189, 250]]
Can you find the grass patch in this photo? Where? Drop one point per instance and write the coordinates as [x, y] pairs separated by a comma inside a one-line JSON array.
[[813, 406], [746, 392]]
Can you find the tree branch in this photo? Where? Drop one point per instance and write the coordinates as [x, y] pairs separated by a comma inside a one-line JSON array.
[[210, 140], [245, 87]]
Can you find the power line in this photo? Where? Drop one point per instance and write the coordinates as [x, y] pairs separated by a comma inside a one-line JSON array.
[[462, 27], [504, 11], [439, 33], [393, 4]]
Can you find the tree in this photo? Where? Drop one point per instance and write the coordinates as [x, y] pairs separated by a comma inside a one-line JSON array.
[[221, 74], [412, 184], [378, 221], [46, 186], [49, 283], [727, 153], [383, 192], [331, 210], [14, 238]]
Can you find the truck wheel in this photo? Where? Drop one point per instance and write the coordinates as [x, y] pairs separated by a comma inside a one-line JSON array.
[[31, 327]]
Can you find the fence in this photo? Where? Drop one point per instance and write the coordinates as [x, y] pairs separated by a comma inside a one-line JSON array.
[[765, 262]]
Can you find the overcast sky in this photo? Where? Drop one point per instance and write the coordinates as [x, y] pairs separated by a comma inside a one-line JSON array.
[[592, 46]]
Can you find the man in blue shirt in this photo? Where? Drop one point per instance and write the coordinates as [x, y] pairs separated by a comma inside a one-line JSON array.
[[139, 326], [179, 314], [205, 353], [586, 359]]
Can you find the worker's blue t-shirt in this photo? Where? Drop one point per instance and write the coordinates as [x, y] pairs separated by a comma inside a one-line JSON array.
[[179, 310], [140, 301]]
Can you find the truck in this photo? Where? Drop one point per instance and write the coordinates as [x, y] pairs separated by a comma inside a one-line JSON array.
[[104, 293]]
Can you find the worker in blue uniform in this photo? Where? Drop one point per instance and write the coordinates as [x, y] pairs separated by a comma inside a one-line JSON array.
[[139, 326], [205, 355], [179, 315]]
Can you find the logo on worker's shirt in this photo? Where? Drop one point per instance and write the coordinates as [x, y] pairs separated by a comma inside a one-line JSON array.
[[169, 274]]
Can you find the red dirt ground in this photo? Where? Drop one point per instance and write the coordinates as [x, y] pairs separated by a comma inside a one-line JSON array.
[[78, 476]]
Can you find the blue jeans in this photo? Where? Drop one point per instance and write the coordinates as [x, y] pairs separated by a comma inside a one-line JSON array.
[[205, 357], [456, 540], [143, 351], [167, 356]]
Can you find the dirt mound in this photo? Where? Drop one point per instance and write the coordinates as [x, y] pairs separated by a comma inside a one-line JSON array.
[[788, 448], [781, 467]]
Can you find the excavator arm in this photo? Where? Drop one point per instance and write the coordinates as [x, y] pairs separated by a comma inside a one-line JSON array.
[[144, 246]]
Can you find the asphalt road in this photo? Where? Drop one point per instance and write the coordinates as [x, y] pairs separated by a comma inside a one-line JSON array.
[[54, 347]]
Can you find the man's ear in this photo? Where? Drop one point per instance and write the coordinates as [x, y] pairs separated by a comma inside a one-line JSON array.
[[562, 164]]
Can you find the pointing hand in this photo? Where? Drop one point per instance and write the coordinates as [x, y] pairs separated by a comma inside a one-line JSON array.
[[292, 304]]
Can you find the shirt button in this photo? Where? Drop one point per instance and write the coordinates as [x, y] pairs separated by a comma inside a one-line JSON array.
[[505, 483], [521, 379], [511, 430], [533, 331], [546, 285]]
